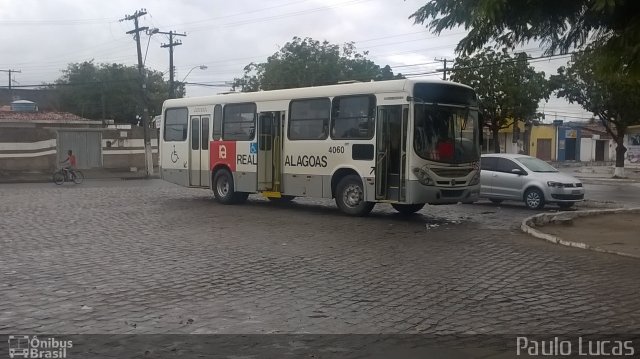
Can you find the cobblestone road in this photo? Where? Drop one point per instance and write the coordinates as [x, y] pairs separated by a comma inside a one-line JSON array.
[[151, 257]]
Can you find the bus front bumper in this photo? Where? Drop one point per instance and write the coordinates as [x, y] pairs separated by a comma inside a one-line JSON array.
[[435, 195]]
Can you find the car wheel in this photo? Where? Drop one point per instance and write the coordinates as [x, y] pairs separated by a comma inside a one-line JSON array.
[[495, 200], [407, 209], [534, 198], [350, 197]]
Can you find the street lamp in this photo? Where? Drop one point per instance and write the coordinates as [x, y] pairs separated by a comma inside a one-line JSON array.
[[201, 67]]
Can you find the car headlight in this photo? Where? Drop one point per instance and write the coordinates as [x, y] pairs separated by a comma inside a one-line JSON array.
[[555, 184], [423, 177], [475, 180]]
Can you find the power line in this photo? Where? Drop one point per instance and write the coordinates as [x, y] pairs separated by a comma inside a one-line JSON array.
[[530, 60]]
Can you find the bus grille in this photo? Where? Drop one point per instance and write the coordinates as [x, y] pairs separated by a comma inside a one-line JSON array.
[[451, 193], [452, 172]]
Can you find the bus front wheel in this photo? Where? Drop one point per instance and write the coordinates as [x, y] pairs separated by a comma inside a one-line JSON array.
[[350, 197], [223, 189]]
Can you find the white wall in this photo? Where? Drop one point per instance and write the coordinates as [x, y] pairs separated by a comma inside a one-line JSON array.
[[632, 143], [507, 145], [588, 150]]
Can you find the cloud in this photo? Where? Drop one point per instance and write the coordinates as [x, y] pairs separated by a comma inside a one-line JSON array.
[[40, 38]]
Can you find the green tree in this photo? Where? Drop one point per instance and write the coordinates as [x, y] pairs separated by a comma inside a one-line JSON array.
[[308, 62], [560, 25], [508, 88], [613, 98], [109, 91]]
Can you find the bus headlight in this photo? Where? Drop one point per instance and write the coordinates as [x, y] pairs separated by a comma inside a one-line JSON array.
[[475, 180], [423, 177]]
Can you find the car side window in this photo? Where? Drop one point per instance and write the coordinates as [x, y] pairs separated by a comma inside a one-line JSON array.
[[506, 165], [489, 163]]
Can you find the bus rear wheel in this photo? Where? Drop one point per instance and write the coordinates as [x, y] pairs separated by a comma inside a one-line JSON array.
[[350, 197], [223, 189], [407, 209]]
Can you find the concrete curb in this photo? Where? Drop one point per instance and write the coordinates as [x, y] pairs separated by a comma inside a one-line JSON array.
[[545, 218], [607, 180], [591, 204]]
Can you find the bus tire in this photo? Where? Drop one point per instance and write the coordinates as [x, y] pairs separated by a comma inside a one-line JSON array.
[[240, 197], [223, 189], [407, 209], [350, 197]]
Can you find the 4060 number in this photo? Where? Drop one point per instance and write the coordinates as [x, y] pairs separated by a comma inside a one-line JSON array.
[[336, 149]]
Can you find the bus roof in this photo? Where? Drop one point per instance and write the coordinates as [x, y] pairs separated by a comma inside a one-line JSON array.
[[388, 86]]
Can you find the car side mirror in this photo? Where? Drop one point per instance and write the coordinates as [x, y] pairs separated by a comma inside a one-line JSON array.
[[518, 172]]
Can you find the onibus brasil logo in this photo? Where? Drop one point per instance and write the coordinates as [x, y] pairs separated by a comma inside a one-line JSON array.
[[24, 346]]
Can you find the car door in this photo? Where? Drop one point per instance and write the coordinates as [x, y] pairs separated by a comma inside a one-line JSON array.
[[487, 165], [505, 183]]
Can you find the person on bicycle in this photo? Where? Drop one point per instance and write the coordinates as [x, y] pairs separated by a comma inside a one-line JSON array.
[[69, 162]]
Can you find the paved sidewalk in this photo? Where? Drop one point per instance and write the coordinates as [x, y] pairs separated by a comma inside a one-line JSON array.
[[600, 173], [604, 230], [92, 174]]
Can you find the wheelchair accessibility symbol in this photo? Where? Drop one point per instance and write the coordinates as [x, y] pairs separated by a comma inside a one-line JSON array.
[[254, 148], [174, 155]]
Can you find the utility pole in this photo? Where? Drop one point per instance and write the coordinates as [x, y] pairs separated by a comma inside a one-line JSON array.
[[170, 45], [444, 61], [10, 81], [148, 158]]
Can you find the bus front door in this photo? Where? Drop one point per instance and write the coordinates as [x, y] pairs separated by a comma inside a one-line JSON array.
[[199, 153], [390, 153], [269, 152]]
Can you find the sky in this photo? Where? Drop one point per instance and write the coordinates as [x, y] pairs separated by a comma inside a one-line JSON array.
[[40, 38]]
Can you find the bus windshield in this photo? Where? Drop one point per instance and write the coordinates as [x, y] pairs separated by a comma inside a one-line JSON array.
[[446, 133]]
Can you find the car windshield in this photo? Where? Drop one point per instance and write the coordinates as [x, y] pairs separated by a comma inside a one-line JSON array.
[[536, 165]]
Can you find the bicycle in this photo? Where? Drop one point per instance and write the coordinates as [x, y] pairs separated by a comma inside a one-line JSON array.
[[67, 175]]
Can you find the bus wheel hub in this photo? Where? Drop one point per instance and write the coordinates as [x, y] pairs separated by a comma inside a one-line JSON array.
[[352, 195], [223, 187]]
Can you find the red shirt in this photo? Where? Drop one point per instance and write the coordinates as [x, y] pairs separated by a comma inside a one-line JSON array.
[[445, 149], [72, 160]]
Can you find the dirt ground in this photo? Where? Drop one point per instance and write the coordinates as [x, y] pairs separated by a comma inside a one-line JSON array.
[[612, 232]]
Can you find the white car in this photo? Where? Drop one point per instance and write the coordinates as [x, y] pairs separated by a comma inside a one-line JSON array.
[[527, 179]]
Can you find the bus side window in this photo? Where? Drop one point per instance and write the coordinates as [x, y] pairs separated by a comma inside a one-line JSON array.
[[353, 117], [309, 118], [239, 122], [217, 123]]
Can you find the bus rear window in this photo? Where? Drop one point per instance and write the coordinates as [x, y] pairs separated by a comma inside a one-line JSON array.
[[176, 123]]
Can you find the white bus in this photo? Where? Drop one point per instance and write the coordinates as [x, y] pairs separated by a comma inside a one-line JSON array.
[[402, 142]]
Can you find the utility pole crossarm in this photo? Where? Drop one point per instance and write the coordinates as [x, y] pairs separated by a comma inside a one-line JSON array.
[[444, 61], [171, 45], [10, 78]]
